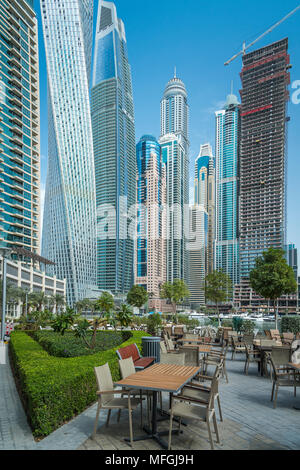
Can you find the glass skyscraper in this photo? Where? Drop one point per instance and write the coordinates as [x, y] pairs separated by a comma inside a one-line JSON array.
[[114, 150], [19, 127], [150, 265], [227, 189], [205, 196], [175, 156], [69, 214]]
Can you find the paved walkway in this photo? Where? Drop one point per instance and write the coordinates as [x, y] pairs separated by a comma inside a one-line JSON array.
[[250, 422]]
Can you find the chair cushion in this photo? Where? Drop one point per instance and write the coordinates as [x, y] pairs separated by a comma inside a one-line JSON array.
[[143, 362], [189, 411], [129, 351], [122, 403]]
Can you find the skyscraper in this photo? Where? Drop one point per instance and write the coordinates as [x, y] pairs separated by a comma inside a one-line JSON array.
[[69, 215], [150, 265], [292, 257], [205, 196], [227, 189], [265, 79], [175, 156], [19, 126], [114, 149], [197, 255]]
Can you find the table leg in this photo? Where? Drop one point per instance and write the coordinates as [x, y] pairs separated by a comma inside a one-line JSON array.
[[153, 433]]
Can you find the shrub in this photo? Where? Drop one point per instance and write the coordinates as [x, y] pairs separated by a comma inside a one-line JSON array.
[[290, 324], [55, 389], [247, 327], [69, 345], [227, 323], [237, 323]]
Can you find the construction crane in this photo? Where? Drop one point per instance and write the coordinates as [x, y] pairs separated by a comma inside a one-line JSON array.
[[245, 48]]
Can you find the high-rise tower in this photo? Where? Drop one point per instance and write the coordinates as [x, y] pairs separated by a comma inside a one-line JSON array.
[[114, 149], [205, 196], [19, 126], [175, 156], [265, 79], [227, 189], [150, 265], [69, 216]]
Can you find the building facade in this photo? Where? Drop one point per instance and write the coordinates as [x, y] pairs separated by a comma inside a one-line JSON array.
[[227, 189], [176, 214], [197, 249], [205, 189], [292, 258], [114, 151], [150, 262], [174, 142], [19, 126], [265, 79], [69, 229]]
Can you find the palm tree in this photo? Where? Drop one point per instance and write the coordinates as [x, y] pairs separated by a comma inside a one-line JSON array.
[[57, 301], [105, 304], [38, 299], [124, 315]]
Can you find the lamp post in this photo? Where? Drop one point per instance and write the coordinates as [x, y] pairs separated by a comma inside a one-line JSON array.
[[5, 253]]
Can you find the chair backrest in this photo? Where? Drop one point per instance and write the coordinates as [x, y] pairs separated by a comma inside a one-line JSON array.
[[170, 345], [268, 334], [215, 384], [232, 333], [104, 382], [270, 358], [168, 331], [288, 338], [129, 351], [259, 335], [178, 330], [267, 342], [281, 355], [248, 339], [190, 336], [191, 356], [178, 359], [163, 348], [126, 367]]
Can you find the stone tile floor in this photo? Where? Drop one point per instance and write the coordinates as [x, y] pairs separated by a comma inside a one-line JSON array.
[[250, 422]]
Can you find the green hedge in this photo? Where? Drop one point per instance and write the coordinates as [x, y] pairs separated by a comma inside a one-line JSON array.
[[55, 389], [68, 345], [290, 324]]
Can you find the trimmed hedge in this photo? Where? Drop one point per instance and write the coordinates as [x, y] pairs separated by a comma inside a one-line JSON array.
[[55, 389], [68, 345], [290, 324]]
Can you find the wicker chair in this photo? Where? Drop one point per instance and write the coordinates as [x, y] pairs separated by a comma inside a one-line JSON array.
[[178, 359], [184, 406], [214, 358], [281, 355], [191, 356], [288, 338], [201, 391], [107, 401], [237, 347], [252, 356], [283, 377], [248, 339]]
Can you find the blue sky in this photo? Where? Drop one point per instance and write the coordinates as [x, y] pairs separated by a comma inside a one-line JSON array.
[[197, 37]]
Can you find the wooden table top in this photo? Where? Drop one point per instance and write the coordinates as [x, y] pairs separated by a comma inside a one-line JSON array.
[[201, 347], [186, 340], [294, 366], [161, 377]]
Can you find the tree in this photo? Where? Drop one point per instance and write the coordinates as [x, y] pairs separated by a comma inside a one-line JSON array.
[[124, 315], [63, 321], [57, 301], [175, 293], [137, 296], [272, 277], [218, 289], [105, 304], [38, 299]]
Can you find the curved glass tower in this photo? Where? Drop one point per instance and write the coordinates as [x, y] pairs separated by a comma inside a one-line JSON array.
[[227, 188], [69, 214], [114, 149]]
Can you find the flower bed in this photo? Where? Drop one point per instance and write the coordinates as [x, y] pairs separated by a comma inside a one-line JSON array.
[[55, 389]]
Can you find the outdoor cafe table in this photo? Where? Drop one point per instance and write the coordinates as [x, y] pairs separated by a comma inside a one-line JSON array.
[[168, 378], [263, 350], [202, 348]]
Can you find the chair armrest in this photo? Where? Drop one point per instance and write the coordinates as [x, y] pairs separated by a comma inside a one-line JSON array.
[[204, 377], [194, 386], [114, 392], [189, 399]]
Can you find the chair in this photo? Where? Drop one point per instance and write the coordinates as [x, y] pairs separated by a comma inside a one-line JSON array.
[[288, 338], [201, 391], [163, 349], [107, 401], [268, 334], [178, 330], [178, 359], [214, 358], [132, 350], [184, 406], [167, 331], [237, 347], [170, 346], [282, 378], [225, 333], [248, 339], [191, 356], [281, 355], [275, 335], [252, 356]]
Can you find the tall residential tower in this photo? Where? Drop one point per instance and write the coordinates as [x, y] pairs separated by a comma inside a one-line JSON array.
[[19, 126], [114, 151], [69, 214], [227, 189], [175, 156]]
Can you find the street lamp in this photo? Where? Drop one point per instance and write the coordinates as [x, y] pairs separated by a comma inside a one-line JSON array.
[[5, 252]]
